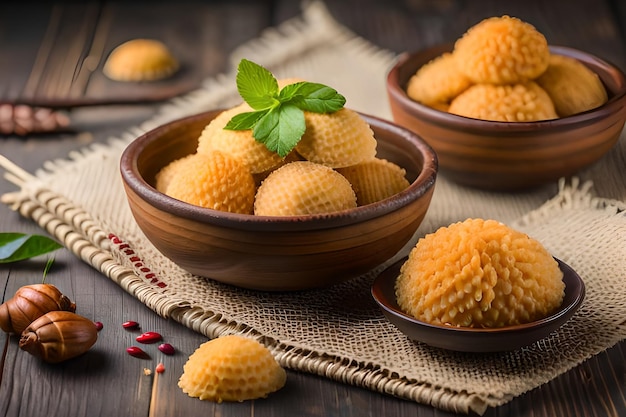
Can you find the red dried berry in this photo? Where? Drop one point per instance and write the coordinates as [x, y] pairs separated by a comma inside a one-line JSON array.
[[149, 337], [98, 325], [130, 325], [167, 348], [137, 352], [160, 368]]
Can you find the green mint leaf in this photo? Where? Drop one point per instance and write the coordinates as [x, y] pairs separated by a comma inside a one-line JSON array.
[[245, 121], [313, 97], [280, 129], [256, 85], [278, 119], [19, 246]]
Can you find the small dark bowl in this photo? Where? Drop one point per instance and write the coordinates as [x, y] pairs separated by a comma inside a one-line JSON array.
[[275, 253], [467, 339], [509, 156]]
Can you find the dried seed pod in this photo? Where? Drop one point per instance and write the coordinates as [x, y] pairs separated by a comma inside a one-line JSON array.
[[137, 352], [29, 303], [149, 337], [167, 348], [59, 335], [130, 325]]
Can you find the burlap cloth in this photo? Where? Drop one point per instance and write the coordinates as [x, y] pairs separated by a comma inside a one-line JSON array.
[[339, 332]]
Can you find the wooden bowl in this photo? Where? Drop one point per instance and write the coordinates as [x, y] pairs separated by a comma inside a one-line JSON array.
[[275, 253], [505, 155], [475, 339]]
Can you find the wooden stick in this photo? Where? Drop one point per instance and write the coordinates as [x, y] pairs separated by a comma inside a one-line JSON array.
[[160, 368]]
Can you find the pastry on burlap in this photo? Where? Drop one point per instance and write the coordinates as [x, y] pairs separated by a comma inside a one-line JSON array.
[[82, 202]]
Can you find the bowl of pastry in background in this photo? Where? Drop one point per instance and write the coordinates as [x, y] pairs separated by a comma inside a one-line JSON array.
[[506, 111], [272, 251]]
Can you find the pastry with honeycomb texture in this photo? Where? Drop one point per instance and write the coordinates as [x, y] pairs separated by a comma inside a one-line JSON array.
[[238, 143], [338, 139], [375, 180], [502, 50], [439, 81], [213, 180], [303, 188], [572, 86], [525, 102], [479, 273], [231, 368]]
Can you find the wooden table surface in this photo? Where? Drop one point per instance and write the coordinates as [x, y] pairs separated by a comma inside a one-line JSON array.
[[43, 50]]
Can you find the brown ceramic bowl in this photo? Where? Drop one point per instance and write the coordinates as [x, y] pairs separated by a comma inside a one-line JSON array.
[[511, 156], [275, 253], [467, 339]]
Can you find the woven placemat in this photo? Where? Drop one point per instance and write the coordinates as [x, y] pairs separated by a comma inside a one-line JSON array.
[[339, 332]]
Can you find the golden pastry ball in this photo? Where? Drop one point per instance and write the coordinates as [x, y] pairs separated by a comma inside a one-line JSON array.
[[438, 82], [479, 273], [502, 50], [505, 103], [375, 180], [238, 143], [213, 180], [337, 140], [302, 188], [140, 60], [231, 368], [165, 175], [572, 86]]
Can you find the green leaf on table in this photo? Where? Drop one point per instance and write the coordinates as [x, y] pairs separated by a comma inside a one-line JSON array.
[[20, 246], [278, 119]]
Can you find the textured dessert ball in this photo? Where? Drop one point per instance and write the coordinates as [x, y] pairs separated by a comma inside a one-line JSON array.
[[213, 180], [140, 60], [479, 273], [438, 82], [505, 103], [375, 180], [338, 139], [231, 368], [502, 50], [573, 87], [165, 175], [238, 143], [292, 156], [302, 188]]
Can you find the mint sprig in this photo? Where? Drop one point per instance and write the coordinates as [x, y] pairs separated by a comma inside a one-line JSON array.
[[278, 117]]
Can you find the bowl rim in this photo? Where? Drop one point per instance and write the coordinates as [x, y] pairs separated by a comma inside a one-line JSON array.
[[466, 338], [421, 186], [614, 104]]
